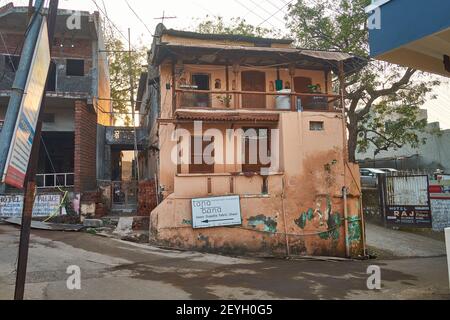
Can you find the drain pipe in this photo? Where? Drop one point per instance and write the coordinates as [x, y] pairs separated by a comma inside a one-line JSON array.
[[283, 208], [347, 242]]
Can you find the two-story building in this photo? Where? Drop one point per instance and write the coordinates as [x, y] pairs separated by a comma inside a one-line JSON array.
[[77, 100], [256, 118]]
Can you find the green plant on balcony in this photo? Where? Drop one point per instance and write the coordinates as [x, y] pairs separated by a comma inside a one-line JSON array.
[[225, 100]]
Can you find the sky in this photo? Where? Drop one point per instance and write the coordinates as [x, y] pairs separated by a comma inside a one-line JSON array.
[[186, 11], [265, 13]]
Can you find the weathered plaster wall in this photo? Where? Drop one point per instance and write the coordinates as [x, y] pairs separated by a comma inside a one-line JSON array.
[[303, 211]]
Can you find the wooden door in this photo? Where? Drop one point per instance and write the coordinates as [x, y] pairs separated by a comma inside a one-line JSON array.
[[302, 85], [254, 81], [261, 134], [198, 164]]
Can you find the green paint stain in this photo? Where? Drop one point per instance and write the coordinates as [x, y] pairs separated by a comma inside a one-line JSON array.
[[269, 224], [354, 229], [310, 214], [334, 224], [301, 222], [187, 222]]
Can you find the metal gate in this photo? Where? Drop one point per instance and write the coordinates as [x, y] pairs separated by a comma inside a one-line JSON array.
[[406, 200], [124, 194]]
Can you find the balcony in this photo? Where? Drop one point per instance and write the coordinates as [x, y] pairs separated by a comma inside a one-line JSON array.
[[258, 101]]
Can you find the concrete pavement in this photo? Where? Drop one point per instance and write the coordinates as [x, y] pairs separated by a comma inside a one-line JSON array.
[[112, 269], [403, 244]]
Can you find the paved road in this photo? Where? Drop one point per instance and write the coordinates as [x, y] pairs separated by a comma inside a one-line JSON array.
[[113, 269], [403, 244]]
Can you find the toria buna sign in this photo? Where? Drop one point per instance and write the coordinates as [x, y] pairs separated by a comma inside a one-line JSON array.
[[216, 212]]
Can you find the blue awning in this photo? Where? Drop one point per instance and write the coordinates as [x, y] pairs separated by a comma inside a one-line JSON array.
[[413, 33]]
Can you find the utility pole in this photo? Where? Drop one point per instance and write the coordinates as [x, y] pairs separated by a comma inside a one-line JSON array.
[[136, 153], [30, 179]]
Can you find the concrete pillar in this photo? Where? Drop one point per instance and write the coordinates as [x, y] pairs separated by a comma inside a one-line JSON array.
[[447, 241]]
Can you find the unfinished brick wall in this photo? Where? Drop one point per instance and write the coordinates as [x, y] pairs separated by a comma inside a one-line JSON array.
[[147, 198], [85, 147]]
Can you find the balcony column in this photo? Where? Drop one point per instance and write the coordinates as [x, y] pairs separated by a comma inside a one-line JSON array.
[[236, 70], [292, 71], [174, 82], [227, 80]]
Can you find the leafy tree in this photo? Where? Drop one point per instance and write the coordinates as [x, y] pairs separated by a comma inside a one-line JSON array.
[[236, 26], [382, 100], [119, 70]]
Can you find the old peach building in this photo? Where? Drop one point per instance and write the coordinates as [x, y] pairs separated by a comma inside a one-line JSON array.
[[216, 89]]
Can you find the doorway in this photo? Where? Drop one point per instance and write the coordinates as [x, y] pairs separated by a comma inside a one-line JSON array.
[[254, 81], [254, 141], [302, 84], [202, 82], [124, 184]]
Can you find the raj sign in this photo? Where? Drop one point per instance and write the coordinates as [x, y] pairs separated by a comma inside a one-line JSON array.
[[22, 141], [216, 212]]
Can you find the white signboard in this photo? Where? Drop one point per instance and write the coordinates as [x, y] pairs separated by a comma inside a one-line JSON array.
[[216, 212], [440, 209], [22, 141], [11, 206]]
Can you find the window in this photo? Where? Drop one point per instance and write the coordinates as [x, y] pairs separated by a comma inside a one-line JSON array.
[[198, 162], [12, 63], [316, 126], [75, 67]]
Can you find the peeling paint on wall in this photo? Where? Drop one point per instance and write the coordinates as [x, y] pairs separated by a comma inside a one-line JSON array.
[[269, 224], [304, 218], [334, 225], [354, 229], [333, 220], [187, 222]]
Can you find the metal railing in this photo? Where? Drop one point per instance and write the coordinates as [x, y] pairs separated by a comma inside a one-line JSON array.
[[55, 180], [249, 100]]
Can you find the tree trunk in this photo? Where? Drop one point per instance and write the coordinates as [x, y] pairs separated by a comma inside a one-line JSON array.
[[352, 140]]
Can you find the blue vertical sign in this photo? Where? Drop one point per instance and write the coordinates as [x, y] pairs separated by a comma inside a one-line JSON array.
[[22, 141]]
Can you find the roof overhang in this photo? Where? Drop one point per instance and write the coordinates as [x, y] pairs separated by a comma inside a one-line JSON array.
[[218, 115], [411, 33], [213, 54]]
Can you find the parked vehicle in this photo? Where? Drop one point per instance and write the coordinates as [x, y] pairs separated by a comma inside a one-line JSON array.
[[389, 170], [369, 177]]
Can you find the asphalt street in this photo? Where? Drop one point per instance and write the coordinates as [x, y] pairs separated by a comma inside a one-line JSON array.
[[113, 269]]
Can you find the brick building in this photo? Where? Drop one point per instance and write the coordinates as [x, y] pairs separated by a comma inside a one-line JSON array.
[[77, 104]]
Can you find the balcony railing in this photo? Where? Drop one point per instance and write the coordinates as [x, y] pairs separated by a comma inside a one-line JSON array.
[[55, 180], [249, 100]]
